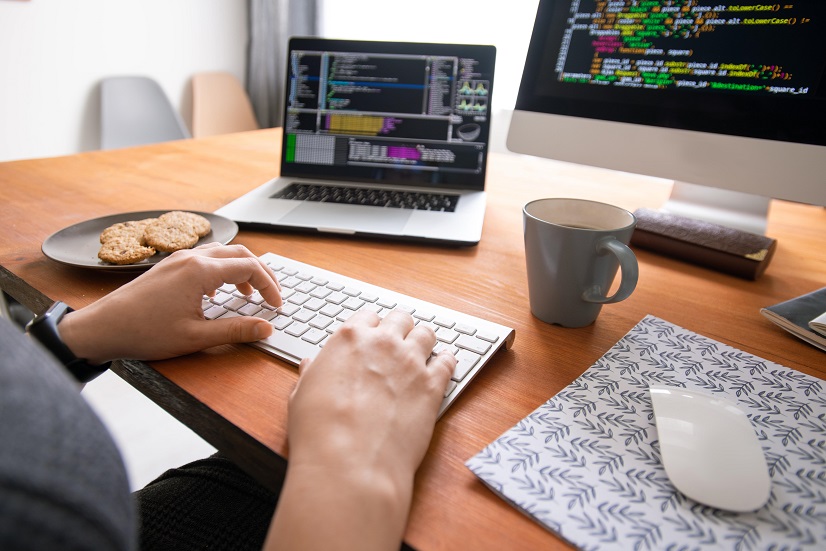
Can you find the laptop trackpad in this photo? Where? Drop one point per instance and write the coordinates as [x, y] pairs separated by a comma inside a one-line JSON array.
[[347, 218]]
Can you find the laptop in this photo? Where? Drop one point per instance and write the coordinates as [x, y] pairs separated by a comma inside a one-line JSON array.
[[380, 139]]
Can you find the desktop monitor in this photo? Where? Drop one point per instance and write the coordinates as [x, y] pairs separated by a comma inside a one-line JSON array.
[[725, 98]]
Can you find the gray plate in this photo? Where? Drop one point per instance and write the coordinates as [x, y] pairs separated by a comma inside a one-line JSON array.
[[78, 245]]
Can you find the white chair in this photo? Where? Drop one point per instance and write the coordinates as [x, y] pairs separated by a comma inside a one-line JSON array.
[[134, 110]]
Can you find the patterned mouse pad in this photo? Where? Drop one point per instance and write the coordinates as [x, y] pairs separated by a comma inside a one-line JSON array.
[[586, 464]]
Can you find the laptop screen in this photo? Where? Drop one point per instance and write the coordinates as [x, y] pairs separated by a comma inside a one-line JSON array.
[[401, 113]]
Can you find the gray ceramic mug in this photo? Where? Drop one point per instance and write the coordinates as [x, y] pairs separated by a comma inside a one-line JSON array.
[[573, 248]]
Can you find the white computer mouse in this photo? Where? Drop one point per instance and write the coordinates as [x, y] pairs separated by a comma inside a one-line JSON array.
[[710, 450]]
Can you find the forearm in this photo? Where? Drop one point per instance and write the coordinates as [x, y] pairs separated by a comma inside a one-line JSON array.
[[328, 509], [82, 334]]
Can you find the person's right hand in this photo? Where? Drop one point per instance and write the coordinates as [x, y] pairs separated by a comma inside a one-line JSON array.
[[360, 421]]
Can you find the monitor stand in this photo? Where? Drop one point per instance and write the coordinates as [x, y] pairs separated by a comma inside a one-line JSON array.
[[734, 209]]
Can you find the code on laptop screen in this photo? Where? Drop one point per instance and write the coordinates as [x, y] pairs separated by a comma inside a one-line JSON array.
[[401, 112]]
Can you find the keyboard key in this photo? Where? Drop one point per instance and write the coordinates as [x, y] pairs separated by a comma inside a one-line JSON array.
[[221, 297], [255, 298], [444, 322], [386, 303], [465, 329], [445, 347], [305, 287], [290, 282], [288, 309], [314, 336], [321, 322], [331, 310], [299, 298], [314, 304], [466, 360], [353, 303], [473, 344], [267, 314], [446, 335], [235, 304], [320, 292], [372, 307], [490, 337], [304, 315], [281, 322], [214, 312], [250, 309], [297, 329], [424, 316], [336, 298]]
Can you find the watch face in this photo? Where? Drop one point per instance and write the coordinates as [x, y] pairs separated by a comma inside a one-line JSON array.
[[51, 316]]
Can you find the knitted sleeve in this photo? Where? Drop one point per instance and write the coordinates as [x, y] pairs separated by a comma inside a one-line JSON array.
[[63, 484]]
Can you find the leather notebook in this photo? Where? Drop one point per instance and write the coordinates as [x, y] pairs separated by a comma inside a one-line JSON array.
[[721, 248]]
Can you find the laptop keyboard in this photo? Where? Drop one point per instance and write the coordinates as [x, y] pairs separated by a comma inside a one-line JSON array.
[[317, 302], [369, 197]]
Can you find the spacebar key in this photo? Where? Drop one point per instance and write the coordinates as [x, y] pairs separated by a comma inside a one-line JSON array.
[[293, 347]]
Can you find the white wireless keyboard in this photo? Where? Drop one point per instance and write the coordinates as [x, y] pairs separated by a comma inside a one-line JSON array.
[[317, 302]]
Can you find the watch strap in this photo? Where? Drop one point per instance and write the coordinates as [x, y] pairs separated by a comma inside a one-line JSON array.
[[43, 328]]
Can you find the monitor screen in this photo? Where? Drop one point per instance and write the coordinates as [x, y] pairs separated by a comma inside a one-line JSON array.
[[730, 96], [409, 113]]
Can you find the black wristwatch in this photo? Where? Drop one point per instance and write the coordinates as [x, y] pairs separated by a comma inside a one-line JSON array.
[[44, 329]]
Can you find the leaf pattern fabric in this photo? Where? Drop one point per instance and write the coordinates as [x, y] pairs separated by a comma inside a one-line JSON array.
[[586, 464]]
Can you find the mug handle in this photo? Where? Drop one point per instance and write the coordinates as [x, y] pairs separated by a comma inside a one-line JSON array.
[[628, 266]]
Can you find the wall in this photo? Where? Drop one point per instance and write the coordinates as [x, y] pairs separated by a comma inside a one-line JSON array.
[[53, 54], [505, 24]]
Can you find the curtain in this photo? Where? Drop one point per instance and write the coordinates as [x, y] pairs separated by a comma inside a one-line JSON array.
[[272, 23]]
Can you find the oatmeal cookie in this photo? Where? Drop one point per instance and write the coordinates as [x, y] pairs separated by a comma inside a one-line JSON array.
[[182, 219], [167, 236], [131, 228], [124, 250]]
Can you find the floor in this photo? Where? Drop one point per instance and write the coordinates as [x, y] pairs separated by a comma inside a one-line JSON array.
[[151, 441]]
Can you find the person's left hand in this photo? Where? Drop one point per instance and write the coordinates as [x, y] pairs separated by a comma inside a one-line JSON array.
[[159, 314]]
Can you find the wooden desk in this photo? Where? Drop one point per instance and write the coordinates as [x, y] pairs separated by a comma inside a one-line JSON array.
[[235, 396]]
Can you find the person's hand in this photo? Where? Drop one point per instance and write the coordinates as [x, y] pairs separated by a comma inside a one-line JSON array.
[[360, 421], [159, 314]]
